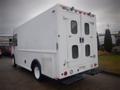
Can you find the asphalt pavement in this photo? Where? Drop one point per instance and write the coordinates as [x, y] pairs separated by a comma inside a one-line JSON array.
[[21, 79]]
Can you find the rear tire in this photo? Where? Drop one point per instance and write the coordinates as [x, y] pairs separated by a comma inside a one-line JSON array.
[[37, 72], [13, 62]]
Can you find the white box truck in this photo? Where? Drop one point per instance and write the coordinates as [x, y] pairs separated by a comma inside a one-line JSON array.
[[59, 43]]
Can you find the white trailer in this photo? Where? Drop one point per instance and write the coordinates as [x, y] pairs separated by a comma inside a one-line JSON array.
[[58, 43]]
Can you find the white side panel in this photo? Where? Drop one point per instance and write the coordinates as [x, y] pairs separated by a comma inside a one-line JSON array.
[[37, 39], [47, 61], [39, 33]]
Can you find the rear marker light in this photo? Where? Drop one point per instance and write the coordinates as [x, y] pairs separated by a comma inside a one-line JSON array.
[[95, 64]]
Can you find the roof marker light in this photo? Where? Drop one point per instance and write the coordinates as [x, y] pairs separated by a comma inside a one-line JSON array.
[[76, 11], [72, 8], [84, 13], [92, 15], [89, 13], [65, 8], [80, 12]]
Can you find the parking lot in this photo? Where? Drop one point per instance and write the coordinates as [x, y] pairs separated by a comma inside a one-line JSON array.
[[21, 79]]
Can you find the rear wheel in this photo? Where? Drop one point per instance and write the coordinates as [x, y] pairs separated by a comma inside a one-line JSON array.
[[13, 62], [37, 72]]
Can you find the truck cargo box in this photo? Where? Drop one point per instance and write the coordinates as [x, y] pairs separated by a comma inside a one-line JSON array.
[[58, 43]]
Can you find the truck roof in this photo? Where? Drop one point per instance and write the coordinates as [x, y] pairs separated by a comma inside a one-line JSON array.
[[70, 9], [76, 10]]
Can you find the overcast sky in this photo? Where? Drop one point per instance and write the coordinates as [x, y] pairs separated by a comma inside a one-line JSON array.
[[16, 12]]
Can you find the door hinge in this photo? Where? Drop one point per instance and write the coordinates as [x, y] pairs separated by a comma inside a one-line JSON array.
[[92, 23], [65, 18], [93, 56]]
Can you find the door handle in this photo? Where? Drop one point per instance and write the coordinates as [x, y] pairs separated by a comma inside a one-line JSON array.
[[82, 40]]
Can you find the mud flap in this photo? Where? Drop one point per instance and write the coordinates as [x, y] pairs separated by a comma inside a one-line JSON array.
[[93, 71], [72, 79]]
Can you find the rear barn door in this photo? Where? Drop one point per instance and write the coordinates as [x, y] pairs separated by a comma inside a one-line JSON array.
[[73, 28], [89, 44]]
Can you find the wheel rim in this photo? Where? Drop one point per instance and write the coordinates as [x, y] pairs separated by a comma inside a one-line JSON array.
[[36, 72]]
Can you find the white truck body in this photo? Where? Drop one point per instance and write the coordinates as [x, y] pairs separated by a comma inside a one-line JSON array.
[[62, 39]]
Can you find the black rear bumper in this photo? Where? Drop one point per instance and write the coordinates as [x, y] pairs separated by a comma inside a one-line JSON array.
[[92, 71]]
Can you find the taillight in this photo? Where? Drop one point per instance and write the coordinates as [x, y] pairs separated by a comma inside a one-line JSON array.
[[65, 73], [95, 64]]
